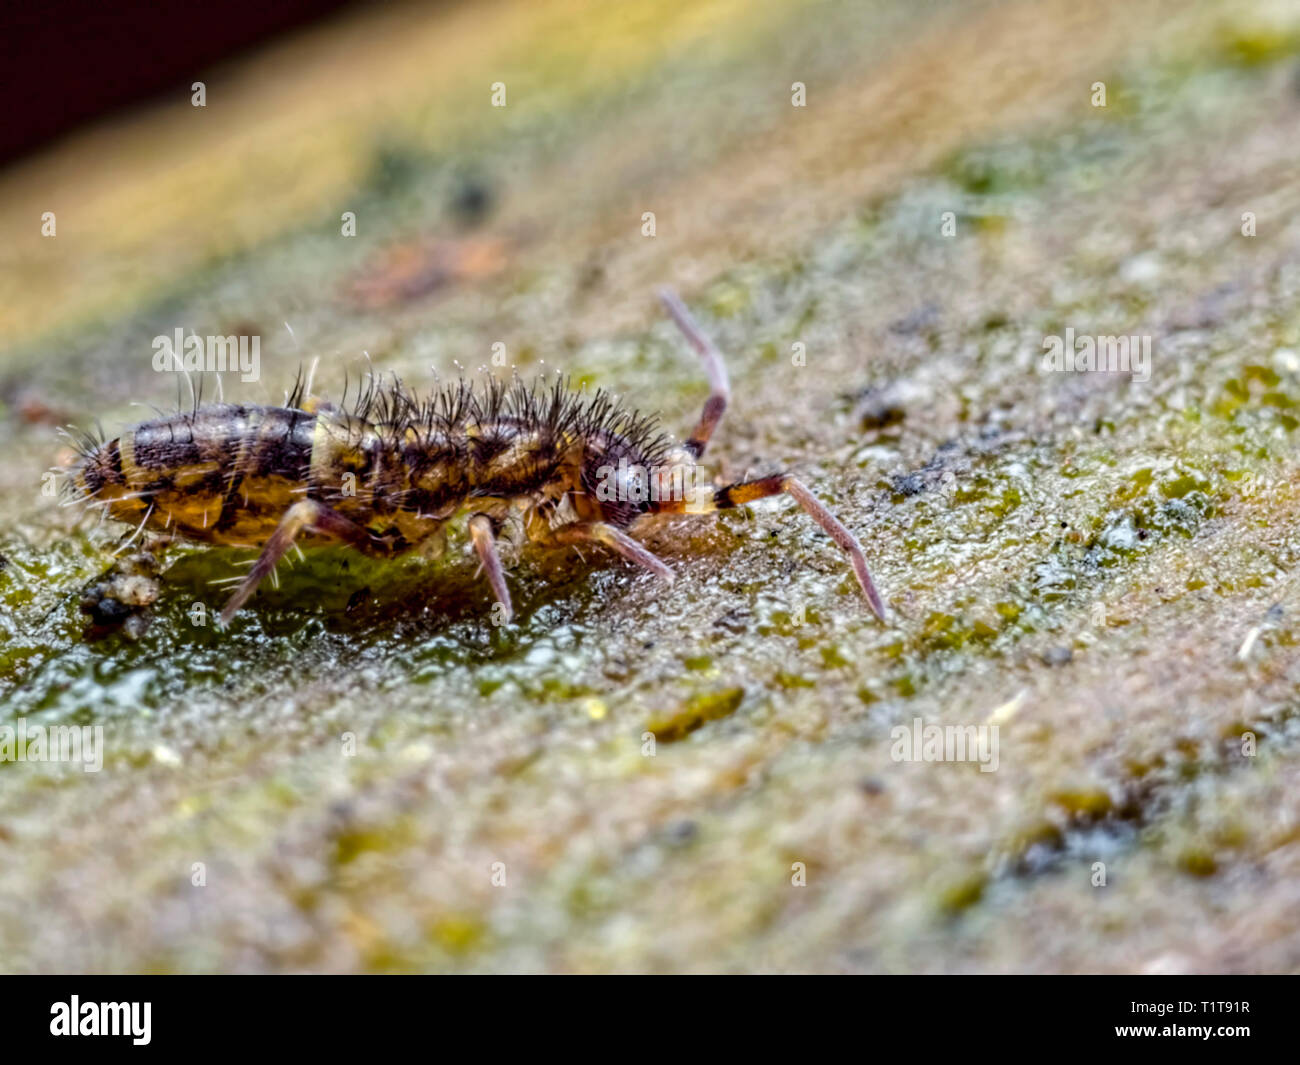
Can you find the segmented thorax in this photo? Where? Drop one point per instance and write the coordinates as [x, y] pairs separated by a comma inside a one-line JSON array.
[[405, 480]]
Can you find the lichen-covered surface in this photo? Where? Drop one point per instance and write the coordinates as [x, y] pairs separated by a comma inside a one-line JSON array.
[[1101, 566]]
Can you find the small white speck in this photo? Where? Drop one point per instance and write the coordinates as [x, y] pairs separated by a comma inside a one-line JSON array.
[[1248, 644]]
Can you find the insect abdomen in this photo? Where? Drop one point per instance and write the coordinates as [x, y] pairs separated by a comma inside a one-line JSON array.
[[220, 474]]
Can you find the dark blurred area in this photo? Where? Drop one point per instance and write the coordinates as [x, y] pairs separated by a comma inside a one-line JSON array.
[[66, 62]]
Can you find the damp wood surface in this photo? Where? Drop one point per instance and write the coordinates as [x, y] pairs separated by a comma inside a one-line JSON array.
[[375, 778]]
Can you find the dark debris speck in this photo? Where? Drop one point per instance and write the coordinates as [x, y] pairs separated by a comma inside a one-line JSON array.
[[880, 407], [919, 320], [681, 832], [908, 484]]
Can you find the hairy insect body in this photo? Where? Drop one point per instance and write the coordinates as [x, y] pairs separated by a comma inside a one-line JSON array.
[[386, 473], [227, 474]]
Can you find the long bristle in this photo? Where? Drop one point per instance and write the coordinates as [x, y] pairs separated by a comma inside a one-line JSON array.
[[555, 408]]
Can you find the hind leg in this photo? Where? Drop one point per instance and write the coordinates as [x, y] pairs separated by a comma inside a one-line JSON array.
[[483, 536], [305, 516]]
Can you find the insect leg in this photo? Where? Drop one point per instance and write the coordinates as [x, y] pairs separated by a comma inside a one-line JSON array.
[[714, 368], [599, 532], [306, 515], [484, 540], [783, 484]]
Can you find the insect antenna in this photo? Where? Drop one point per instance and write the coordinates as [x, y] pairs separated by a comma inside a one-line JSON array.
[[715, 369]]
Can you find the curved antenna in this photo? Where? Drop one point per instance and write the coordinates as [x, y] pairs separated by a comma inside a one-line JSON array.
[[714, 369]]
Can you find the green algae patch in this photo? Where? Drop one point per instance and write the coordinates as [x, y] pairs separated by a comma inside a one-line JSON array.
[[1088, 804], [1253, 45], [963, 892], [695, 713]]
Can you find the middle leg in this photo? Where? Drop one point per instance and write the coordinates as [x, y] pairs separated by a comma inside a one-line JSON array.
[[600, 532]]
